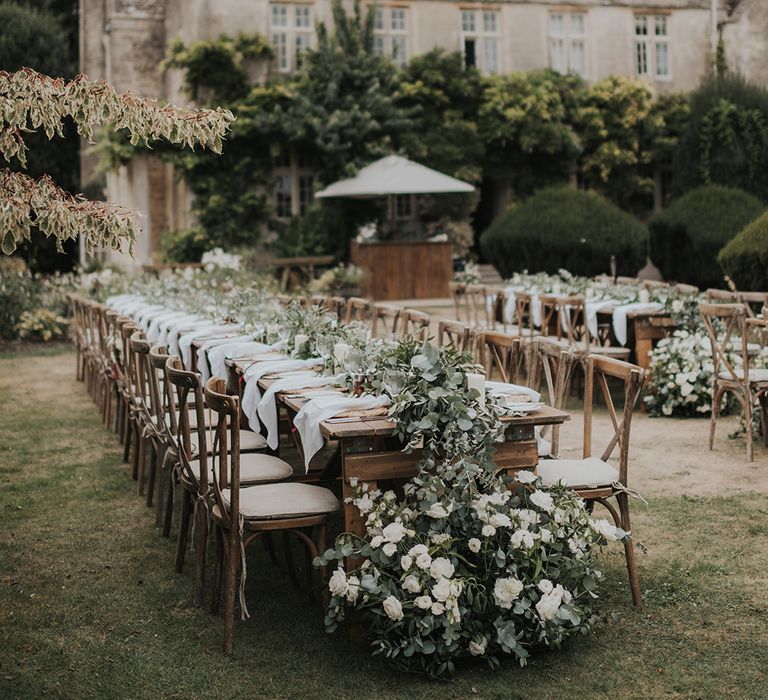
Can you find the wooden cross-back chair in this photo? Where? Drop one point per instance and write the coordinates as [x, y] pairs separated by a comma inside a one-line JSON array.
[[459, 299], [627, 281], [686, 288], [415, 323], [456, 334], [722, 296], [551, 369], [358, 309], [386, 320], [241, 514], [654, 284], [753, 301], [502, 356], [126, 328], [479, 313], [594, 478], [144, 401], [727, 329], [523, 316]]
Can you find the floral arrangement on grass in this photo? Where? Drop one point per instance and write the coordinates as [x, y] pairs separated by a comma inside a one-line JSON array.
[[217, 258], [469, 275], [465, 563], [338, 278], [42, 325]]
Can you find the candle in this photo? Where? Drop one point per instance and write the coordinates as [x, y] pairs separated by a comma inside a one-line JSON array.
[[556, 288], [299, 341], [340, 352], [477, 381], [645, 297]]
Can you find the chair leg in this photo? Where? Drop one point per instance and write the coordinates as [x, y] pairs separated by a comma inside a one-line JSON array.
[[160, 478], [233, 567], [168, 519], [764, 418], [218, 566], [629, 550], [749, 425], [181, 542], [717, 397], [151, 477], [201, 518], [141, 465]]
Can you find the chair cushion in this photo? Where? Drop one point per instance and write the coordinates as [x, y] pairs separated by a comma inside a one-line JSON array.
[[755, 375], [577, 473], [255, 467], [274, 501], [249, 442], [610, 350]]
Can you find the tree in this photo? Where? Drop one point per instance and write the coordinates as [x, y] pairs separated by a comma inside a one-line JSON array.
[[33, 102]]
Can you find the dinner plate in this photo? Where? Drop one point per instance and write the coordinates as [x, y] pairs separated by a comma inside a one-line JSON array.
[[522, 408]]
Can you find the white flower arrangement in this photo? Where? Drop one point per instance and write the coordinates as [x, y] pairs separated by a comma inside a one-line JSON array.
[[217, 258]]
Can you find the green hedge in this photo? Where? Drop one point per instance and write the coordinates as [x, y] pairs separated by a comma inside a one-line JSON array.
[[687, 236], [745, 257], [560, 227]]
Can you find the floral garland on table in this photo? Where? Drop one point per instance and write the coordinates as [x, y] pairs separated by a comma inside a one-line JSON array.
[[467, 563]]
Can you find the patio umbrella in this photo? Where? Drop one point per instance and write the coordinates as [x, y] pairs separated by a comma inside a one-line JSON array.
[[393, 175]]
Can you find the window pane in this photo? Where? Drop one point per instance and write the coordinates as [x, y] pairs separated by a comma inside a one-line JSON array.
[[490, 23], [378, 20], [281, 50], [557, 55], [641, 25], [641, 58], [491, 55], [470, 59], [468, 22], [577, 24], [378, 45], [302, 16], [661, 25], [303, 41], [578, 57], [398, 20], [398, 50], [556, 25], [283, 196], [662, 59], [279, 15]]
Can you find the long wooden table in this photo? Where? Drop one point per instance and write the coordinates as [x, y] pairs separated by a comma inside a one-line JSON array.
[[369, 450]]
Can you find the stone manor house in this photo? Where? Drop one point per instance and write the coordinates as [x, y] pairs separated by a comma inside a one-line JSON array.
[[669, 43]]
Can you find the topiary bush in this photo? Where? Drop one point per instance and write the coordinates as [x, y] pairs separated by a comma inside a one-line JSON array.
[[745, 257], [559, 227], [687, 237]]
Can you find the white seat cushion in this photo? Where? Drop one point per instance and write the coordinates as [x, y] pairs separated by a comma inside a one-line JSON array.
[[577, 473], [255, 467], [249, 442], [274, 501], [755, 375]]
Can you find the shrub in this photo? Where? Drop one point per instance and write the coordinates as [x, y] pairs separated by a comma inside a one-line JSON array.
[[745, 257], [18, 293], [185, 245], [42, 325], [560, 227], [686, 237]]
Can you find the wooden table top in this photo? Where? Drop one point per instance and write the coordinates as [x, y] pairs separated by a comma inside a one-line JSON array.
[[380, 425]]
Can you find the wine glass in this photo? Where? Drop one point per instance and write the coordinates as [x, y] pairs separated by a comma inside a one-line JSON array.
[[393, 381]]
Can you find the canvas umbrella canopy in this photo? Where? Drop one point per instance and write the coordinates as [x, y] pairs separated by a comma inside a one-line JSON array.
[[393, 175]]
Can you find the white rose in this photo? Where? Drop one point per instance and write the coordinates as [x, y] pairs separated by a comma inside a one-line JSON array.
[[423, 561], [474, 545], [500, 520], [517, 538], [438, 608], [542, 500], [506, 590], [377, 541], [389, 549], [437, 511], [394, 532], [477, 646], [405, 562], [337, 584], [488, 530], [411, 584], [393, 608], [528, 539], [441, 590], [424, 602], [546, 535], [545, 585], [441, 567], [525, 477], [353, 481], [605, 529], [354, 588], [364, 503], [549, 604], [418, 549]]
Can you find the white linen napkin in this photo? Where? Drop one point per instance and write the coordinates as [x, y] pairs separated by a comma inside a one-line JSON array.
[[620, 317], [267, 408], [171, 330], [218, 356], [209, 344], [199, 331], [592, 308], [314, 412], [153, 322], [252, 393], [504, 388]]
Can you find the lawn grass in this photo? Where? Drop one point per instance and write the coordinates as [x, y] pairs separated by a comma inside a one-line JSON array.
[[90, 606]]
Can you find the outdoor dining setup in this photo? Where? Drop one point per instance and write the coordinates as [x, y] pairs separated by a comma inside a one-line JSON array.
[[375, 434]]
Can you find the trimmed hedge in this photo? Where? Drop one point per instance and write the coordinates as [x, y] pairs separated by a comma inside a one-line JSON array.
[[560, 227], [745, 257], [687, 237]]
